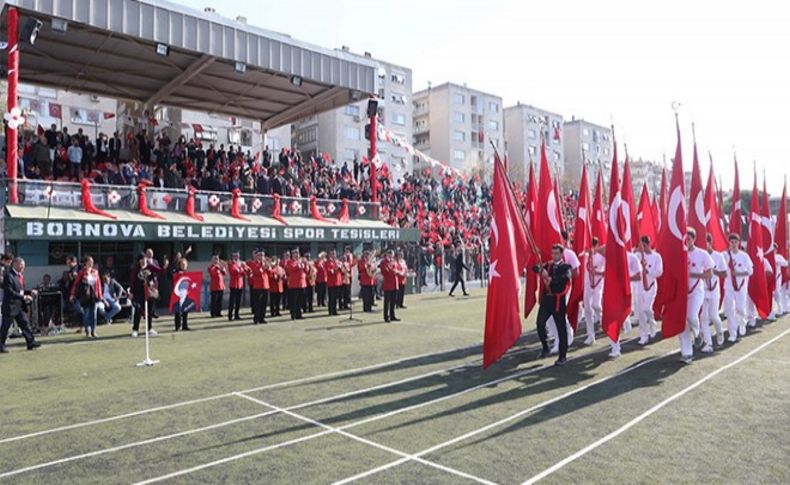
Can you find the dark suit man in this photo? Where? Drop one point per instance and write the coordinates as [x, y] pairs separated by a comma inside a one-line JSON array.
[[458, 271], [15, 301], [556, 276]]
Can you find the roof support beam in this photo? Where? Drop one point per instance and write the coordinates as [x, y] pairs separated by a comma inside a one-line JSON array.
[[186, 75], [296, 110]]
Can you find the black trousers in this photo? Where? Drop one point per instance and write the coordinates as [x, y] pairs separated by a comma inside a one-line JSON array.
[[390, 297], [458, 279], [21, 320], [320, 290], [344, 296], [181, 321], [216, 303], [307, 303], [258, 299], [284, 297], [234, 305], [550, 308], [295, 297], [333, 294], [275, 304], [366, 294], [139, 309], [401, 294]]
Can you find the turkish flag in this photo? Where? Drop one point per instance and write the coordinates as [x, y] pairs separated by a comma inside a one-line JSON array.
[[616, 286], [713, 215], [673, 250], [646, 225], [547, 224], [758, 286], [780, 232], [696, 215], [768, 240], [662, 200], [582, 239], [655, 212], [736, 216], [530, 296], [597, 218], [658, 303], [508, 246], [632, 237], [187, 288]]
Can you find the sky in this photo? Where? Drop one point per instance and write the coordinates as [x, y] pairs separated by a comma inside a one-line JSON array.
[[623, 62]]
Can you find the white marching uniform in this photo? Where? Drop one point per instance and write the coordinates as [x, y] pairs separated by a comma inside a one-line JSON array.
[[736, 291], [652, 269], [710, 308], [780, 292], [593, 293], [699, 261], [634, 271], [570, 258], [769, 273]]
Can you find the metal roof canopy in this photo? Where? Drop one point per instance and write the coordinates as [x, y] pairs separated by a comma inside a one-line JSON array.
[[109, 49]]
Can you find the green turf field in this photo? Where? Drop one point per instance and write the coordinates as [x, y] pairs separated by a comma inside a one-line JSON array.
[[321, 401]]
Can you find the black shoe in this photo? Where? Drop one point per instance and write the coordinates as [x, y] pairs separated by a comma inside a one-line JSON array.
[[33, 345], [237, 317], [403, 307], [387, 320], [452, 295], [264, 321], [561, 361], [466, 294], [394, 319], [186, 329], [543, 354]]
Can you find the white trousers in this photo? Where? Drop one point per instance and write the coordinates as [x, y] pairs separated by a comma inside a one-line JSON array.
[[735, 309], [593, 310], [710, 314], [695, 301], [643, 310], [686, 344]]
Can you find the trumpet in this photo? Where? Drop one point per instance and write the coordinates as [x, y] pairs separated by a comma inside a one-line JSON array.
[[370, 267]]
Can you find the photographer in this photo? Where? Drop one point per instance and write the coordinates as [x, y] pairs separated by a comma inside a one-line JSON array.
[[556, 276]]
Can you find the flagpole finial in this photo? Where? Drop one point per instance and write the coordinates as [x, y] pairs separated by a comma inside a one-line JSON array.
[[694, 132]]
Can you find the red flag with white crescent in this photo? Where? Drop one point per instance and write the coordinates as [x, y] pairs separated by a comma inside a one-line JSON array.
[[736, 214], [646, 224], [582, 240], [780, 233], [616, 286], [696, 215], [530, 296], [758, 284], [187, 288], [713, 215], [627, 189], [598, 218], [768, 240], [547, 227]]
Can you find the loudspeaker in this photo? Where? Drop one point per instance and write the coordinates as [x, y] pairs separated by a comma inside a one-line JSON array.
[[373, 106]]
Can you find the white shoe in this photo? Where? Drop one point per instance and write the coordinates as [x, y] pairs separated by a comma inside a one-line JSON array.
[[555, 350], [733, 339], [589, 340], [686, 359], [134, 334], [707, 349], [653, 329], [720, 338], [614, 354], [627, 327], [742, 330], [152, 333], [753, 323], [644, 341]]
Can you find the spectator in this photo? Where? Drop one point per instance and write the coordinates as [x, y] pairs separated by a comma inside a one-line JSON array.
[[87, 290], [111, 297]]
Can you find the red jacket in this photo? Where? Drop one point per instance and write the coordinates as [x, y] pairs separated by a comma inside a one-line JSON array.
[[364, 278], [297, 273], [389, 270], [334, 277], [276, 279], [236, 276], [83, 275], [403, 269], [320, 272], [258, 276], [216, 275]]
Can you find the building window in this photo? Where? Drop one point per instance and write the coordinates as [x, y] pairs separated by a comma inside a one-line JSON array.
[[556, 155], [459, 136], [398, 78], [352, 109], [586, 132], [532, 134], [495, 141], [459, 98], [493, 107], [586, 147], [459, 155], [532, 150], [493, 125], [351, 133], [458, 117], [398, 119], [398, 98]]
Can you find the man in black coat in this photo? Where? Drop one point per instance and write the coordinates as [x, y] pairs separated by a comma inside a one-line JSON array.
[[15, 302], [556, 276], [458, 271]]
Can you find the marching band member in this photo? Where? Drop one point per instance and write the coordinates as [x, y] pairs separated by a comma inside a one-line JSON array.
[[367, 279], [652, 268], [404, 268], [347, 265], [284, 295], [390, 271], [296, 270], [710, 309], [217, 270], [276, 285], [236, 269], [739, 268], [312, 275], [700, 267], [593, 290], [334, 280], [320, 279], [258, 278]]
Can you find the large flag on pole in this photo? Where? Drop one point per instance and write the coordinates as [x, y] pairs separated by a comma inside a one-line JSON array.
[[662, 199], [768, 240], [547, 227], [696, 215], [780, 233], [736, 216], [646, 225], [597, 218], [616, 286], [508, 246], [632, 238], [672, 247], [713, 215], [582, 238], [530, 296], [758, 286]]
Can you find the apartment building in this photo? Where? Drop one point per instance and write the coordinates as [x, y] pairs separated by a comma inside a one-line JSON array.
[[586, 143], [525, 127]]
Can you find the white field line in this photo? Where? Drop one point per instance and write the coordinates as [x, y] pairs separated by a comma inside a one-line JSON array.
[[512, 417], [367, 441], [358, 423], [242, 419], [649, 412]]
